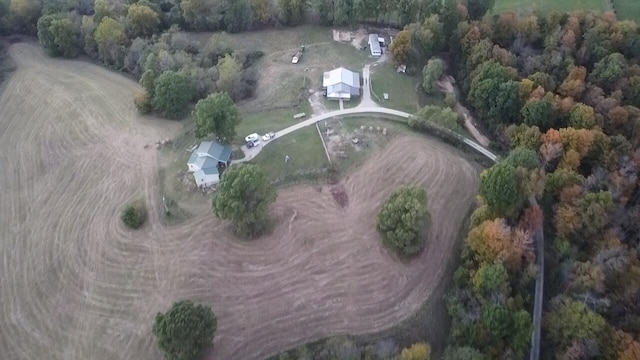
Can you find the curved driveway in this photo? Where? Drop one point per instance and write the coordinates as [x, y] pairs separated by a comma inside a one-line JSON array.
[[253, 152]]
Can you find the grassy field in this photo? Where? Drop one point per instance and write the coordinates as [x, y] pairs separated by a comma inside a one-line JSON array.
[[527, 6], [627, 9], [403, 90], [263, 122], [308, 159]]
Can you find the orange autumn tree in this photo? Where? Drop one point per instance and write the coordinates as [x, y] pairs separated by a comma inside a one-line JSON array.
[[495, 240]]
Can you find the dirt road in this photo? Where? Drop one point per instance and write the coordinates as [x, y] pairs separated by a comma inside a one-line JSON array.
[[446, 86], [76, 285]]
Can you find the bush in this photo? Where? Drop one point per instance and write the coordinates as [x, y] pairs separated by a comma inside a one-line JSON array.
[[402, 219], [133, 215], [142, 102], [185, 331]]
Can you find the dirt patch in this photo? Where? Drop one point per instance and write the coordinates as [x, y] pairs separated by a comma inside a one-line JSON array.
[[73, 155], [339, 194], [342, 141], [356, 38]]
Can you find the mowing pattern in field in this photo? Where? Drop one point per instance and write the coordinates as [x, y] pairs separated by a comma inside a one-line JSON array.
[[76, 285]]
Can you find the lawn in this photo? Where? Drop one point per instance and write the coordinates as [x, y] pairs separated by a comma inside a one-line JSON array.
[[308, 159], [528, 6], [263, 122], [403, 90], [627, 9]]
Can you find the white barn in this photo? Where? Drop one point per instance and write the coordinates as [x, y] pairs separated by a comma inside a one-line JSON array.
[[374, 45], [205, 160], [341, 84]]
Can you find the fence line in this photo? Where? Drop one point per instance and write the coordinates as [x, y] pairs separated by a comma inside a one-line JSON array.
[[326, 151]]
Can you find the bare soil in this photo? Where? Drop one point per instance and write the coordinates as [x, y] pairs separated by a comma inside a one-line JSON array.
[[75, 284]]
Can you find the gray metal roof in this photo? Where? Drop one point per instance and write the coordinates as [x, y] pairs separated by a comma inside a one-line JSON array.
[[215, 150]]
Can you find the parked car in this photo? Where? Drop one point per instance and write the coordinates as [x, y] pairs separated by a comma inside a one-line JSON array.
[[252, 137], [268, 136], [249, 144]]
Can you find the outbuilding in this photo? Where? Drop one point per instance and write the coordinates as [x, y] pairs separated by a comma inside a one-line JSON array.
[[340, 84], [374, 45]]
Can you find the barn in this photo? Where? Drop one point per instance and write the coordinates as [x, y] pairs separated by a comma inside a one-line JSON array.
[[341, 84]]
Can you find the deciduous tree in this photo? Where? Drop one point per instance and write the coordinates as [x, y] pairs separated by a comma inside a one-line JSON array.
[[500, 188], [172, 94], [229, 74], [402, 220], [185, 331], [443, 117], [400, 47], [142, 20], [243, 197], [431, 73], [462, 353], [110, 38], [570, 320], [417, 351], [216, 114]]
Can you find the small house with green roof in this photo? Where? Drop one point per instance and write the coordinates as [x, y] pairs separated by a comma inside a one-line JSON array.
[[206, 161]]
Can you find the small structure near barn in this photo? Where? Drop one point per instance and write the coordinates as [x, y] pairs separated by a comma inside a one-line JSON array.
[[206, 161], [374, 45], [341, 84]]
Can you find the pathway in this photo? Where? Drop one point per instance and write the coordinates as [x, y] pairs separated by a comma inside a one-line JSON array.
[[366, 100], [446, 86]]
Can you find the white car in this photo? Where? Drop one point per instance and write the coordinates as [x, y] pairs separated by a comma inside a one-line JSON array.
[[252, 138], [268, 136]]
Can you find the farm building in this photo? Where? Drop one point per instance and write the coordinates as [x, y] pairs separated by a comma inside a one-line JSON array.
[[374, 45], [205, 161], [341, 84]]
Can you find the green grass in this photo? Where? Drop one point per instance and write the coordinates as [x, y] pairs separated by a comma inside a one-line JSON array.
[[263, 122], [403, 90], [528, 6], [308, 159], [627, 9]]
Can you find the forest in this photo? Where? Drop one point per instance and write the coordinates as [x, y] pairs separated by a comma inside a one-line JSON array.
[[559, 93]]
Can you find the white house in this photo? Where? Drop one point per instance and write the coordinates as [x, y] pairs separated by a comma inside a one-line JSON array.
[[374, 45], [341, 84], [205, 161]]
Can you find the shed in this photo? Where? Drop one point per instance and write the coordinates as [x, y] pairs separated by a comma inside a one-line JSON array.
[[374, 45]]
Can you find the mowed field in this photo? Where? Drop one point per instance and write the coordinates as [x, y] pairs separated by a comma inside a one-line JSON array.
[[76, 285], [527, 6]]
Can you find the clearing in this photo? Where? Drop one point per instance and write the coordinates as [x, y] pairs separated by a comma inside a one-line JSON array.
[[77, 285], [528, 6]]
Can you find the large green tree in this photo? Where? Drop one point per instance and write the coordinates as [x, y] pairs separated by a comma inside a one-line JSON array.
[[402, 220], [185, 331], [142, 20], [110, 37], [172, 94], [216, 114], [501, 189], [539, 113], [229, 74], [243, 197], [431, 73], [58, 35], [570, 320]]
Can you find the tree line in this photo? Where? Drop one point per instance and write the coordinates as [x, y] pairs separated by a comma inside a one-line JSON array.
[[559, 93]]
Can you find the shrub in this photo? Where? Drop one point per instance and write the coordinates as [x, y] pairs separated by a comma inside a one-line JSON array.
[[402, 219], [185, 331], [142, 102], [134, 214]]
